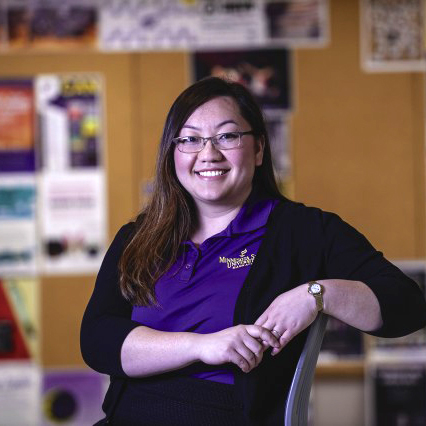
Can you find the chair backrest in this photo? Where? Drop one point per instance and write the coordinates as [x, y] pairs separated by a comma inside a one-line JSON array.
[[296, 410]]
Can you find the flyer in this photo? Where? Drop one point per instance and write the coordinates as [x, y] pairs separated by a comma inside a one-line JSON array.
[[45, 24], [20, 384], [72, 218], [19, 319], [17, 126], [136, 25], [277, 124], [396, 394], [69, 109], [18, 237], [392, 35], [341, 341], [301, 23], [2, 27], [265, 72], [72, 397]]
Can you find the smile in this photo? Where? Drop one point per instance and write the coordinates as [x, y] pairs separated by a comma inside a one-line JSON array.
[[211, 173]]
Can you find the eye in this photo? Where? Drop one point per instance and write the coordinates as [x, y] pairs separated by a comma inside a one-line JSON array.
[[189, 140], [228, 137]]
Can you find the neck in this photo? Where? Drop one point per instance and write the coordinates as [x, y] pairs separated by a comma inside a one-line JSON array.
[[213, 220], [214, 217]]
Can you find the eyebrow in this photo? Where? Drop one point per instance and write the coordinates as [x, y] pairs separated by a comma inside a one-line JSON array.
[[222, 123]]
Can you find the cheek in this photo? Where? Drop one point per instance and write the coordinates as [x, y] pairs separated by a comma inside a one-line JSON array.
[[182, 164]]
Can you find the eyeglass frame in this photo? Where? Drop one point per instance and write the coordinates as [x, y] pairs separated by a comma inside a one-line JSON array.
[[212, 139]]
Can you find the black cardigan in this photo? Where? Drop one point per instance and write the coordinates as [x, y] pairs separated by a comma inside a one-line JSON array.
[[301, 244]]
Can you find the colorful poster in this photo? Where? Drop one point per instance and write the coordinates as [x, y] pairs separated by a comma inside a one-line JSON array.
[[20, 384], [19, 319], [69, 115], [392, 35], [136, 25], [72, 214], [266, 73], [18, 238], [72, 397], [44, 24], [16, 126]]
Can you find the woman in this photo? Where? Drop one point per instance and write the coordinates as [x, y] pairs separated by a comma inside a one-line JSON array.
[[200, 306]]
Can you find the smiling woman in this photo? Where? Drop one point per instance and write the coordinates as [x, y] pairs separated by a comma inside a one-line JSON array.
[[200, 307], [218, 180]]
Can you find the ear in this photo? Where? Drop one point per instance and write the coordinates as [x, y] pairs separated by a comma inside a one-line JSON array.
[[259, 145]]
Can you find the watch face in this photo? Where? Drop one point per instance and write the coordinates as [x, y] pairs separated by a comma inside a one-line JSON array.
[[316, 288]]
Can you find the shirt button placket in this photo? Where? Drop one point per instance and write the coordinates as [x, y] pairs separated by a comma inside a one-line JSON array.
[[188, 269]]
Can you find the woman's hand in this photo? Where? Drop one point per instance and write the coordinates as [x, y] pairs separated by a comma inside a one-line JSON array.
[[289, 314], [242, 345]]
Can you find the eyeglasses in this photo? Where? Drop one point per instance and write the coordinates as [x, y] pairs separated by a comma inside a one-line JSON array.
[[222, 141]]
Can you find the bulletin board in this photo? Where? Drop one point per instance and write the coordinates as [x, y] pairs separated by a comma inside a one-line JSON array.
[[357, 149]]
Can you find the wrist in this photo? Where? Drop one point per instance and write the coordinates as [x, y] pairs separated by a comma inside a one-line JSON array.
[[316, 291]]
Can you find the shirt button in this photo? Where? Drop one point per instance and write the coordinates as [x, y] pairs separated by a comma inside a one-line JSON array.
[[187, 266]]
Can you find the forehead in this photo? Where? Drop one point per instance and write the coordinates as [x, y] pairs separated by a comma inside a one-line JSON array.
[[216, 109]]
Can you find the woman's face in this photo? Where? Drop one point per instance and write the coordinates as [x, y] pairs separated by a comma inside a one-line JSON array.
[[214, 177]]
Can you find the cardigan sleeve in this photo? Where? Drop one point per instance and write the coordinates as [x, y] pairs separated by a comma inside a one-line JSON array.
[[107, 318], [349, 255]]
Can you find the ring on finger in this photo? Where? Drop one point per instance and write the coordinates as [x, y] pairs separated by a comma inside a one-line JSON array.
[[276, 333]]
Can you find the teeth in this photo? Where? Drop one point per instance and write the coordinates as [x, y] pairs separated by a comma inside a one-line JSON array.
[[212, 173]]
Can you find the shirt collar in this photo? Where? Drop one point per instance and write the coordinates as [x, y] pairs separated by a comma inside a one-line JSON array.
[[253, 214]]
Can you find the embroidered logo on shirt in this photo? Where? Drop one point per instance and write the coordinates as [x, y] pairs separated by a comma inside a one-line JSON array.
[[238, 262]]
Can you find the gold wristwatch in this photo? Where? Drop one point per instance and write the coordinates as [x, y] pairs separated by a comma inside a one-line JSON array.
[[317, 290]]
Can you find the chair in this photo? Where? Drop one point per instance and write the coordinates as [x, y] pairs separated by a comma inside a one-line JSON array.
[[296, 410]]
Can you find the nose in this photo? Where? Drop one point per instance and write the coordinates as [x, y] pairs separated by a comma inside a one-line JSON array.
[[209, 152]]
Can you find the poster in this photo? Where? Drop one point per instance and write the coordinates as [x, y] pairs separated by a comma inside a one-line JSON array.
[[341, 341], [277, 125], [297, 23], [2, 27], [396, 394], [266, 73], [17, 124], [20, 384], [69, 110], [206, 24], [72, 397], [72, 212], [45, 24], [393, 35], [19, 319], [18, 238]]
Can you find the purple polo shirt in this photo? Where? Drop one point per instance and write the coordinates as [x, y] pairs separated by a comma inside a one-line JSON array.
[[199, 292]]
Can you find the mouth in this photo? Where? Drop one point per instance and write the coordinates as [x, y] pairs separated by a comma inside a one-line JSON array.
[[211, 173]]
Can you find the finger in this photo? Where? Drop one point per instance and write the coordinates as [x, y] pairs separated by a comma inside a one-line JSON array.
[[262, 319], [248, 356], [268, 337], [254, 345], [237, 359], [284, 340]]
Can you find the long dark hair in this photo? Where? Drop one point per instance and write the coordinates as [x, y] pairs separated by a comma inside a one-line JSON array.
[[170, 216]]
